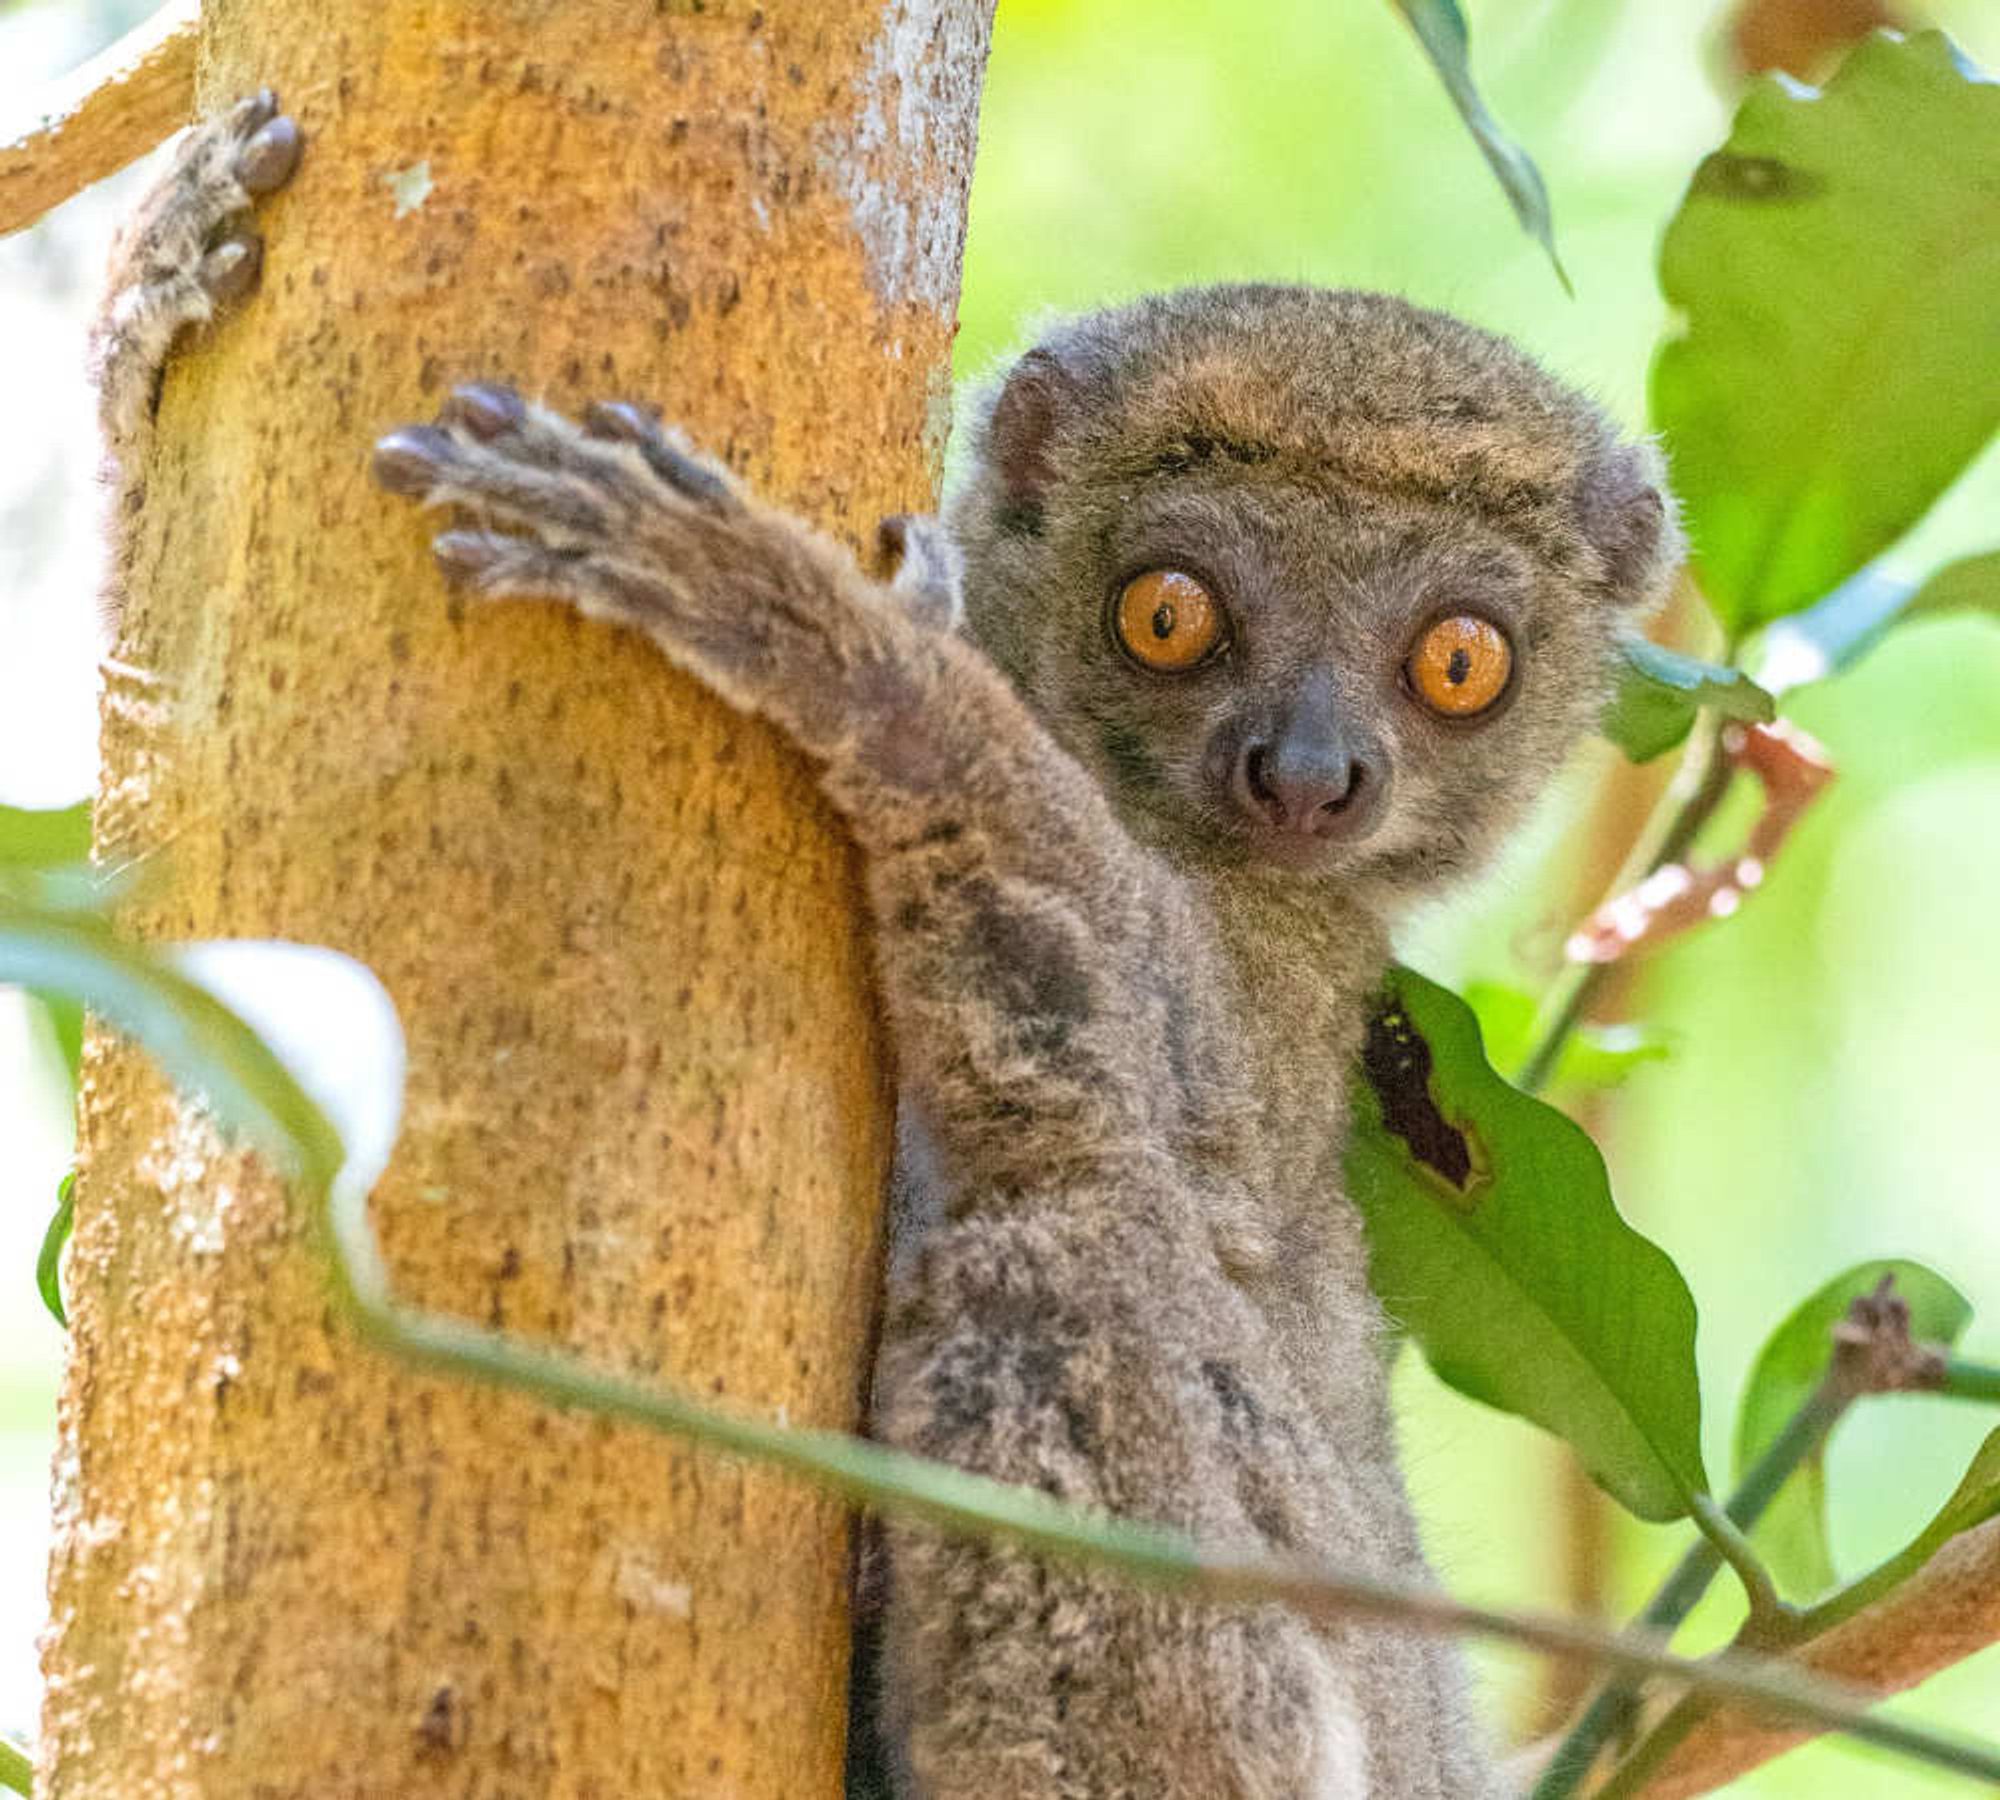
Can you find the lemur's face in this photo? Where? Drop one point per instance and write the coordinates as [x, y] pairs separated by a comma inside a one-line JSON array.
[[1276, 656]]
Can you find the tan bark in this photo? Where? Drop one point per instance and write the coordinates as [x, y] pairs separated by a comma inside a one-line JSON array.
[[108, 113], [1946, 1612], [645, 1114]]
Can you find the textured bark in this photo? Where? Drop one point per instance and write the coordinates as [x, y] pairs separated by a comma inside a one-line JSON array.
[[646, 1115], [1947, 1611]]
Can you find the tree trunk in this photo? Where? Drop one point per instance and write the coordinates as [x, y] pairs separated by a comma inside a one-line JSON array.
[[646, 1116]]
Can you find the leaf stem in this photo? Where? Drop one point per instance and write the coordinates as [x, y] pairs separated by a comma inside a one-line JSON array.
[[1726, 1539], [1687, 805], [1970, 1380], [17, 1769], [1649, 1755]]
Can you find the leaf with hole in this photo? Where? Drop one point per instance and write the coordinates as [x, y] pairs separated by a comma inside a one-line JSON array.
[[1792, 1534], [1660, 691], [1493, 1238], [1835, 268]]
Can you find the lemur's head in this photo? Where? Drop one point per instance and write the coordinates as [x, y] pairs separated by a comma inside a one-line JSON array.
[[1313, 580]]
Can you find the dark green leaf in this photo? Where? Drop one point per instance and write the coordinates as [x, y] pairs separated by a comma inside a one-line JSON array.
[[1836, 266], [1835, 633], [48, 1265], [1492, 1236], [1660, 691], [1593, 1056], [1792, 1532], [1441, 29]]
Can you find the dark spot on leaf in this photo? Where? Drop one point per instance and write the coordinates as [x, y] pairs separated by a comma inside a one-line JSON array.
[[1728, 176], [1397, 1062]]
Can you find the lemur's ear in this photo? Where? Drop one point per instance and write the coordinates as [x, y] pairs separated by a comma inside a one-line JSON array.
[[1040, 393], [1629, 519]]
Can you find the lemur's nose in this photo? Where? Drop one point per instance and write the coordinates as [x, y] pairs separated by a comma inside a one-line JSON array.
[[1309, 775]]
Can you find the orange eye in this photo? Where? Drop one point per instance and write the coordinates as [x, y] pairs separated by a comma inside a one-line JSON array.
[[1167, 620], [1460, 666]]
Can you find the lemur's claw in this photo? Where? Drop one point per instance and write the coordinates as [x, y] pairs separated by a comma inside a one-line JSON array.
[[412, 459], [268, 158], [485, 409]]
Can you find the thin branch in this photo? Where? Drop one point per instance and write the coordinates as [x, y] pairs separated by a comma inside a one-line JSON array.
[[1613, 1709], [1872, 1352], [894, 1482], [108, 113], [1944, 1613], [1970, 1381], [1687, 805]]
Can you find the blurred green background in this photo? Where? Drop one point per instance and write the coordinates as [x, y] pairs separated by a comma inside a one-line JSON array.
[[1830, 1095]]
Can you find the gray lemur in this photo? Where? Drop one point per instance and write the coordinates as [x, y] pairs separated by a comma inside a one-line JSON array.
[[1278, 607]]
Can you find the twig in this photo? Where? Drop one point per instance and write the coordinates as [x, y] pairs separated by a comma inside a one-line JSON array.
[[892, 1481], [1944, 1613], [1964, 1380], [1676, 896], [1871, 1353], [1687, 805], [100, 117]]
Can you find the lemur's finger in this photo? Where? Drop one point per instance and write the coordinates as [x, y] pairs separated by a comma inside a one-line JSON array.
[[269, 157]]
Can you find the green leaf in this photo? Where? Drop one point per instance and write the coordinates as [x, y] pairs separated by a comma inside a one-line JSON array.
[[1441, 29], [1593, 1057], [196, 1038], [44, 839], [17, 1770], [65, 1017], [1836, 266], [1660, 691], [1835, 633], [1792, 1533], [48, 1265], [1975, 1500], [1492, 1236], [1972, 584]]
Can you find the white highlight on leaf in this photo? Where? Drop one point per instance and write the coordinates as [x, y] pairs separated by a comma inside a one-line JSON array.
[[1791, 659], [332, 1025], [410, 187]]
